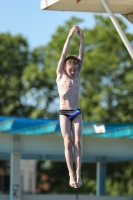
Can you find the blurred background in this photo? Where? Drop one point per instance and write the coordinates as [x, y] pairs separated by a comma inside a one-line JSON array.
[[31, 42]]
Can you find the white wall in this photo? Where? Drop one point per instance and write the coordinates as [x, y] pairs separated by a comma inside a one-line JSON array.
[[28, 175]]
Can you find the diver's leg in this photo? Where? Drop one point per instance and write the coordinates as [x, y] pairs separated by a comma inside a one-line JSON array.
[[77, 132], [65, 125]]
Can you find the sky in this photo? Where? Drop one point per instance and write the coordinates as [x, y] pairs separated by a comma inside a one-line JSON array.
[[26, 18]]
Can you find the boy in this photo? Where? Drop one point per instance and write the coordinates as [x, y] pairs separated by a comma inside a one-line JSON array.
[[68, 82]]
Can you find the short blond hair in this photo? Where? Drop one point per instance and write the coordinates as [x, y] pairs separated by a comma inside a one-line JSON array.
[[72, 60]]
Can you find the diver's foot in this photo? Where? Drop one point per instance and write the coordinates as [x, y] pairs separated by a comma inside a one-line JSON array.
[[79, 181], [72, 181]]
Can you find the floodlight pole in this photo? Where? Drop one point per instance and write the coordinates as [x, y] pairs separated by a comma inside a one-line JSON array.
[[118, 27]]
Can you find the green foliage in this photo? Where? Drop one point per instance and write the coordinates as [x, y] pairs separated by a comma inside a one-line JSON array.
[[106, 75], [120, 179], [13, 60], [39, 84], [54, 175]]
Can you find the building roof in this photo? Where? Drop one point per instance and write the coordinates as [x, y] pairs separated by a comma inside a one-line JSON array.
[[31, 126]]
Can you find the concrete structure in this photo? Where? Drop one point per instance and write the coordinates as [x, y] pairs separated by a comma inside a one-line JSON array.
[[36, 139]]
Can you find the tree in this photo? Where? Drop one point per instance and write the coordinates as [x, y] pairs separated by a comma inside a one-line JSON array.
[[13, 59], [26, 89], [106, 94], [39, 85], [119, 180]]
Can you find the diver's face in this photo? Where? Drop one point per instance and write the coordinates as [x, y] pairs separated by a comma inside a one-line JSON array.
[[71, 70]]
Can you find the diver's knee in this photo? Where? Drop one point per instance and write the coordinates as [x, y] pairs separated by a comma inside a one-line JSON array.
[[78, 144], [68, 142]]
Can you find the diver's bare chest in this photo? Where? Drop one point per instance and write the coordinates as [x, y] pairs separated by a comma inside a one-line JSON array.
[[68, 81], [67, 84]]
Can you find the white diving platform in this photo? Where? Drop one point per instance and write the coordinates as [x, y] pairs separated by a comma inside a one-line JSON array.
[[123, 7]]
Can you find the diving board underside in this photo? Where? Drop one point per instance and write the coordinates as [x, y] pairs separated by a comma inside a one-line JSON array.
[[97, 6], [50, 147]]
